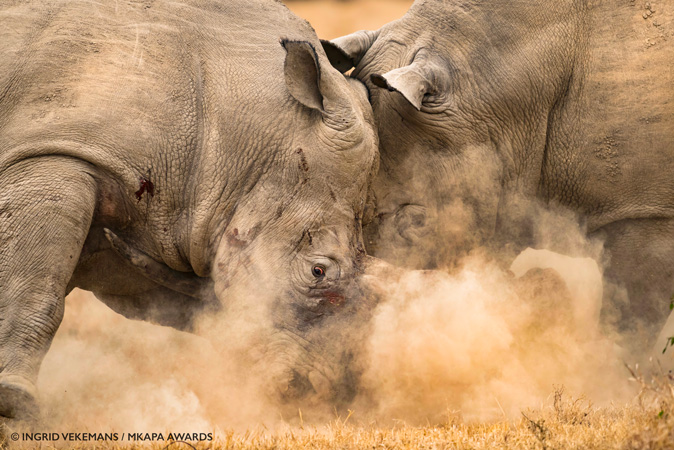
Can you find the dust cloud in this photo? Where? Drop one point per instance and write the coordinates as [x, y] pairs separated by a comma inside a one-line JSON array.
[[106, 373], [480, 342], [482, 345]]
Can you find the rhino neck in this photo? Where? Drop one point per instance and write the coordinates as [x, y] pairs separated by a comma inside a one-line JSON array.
[[238, 150], [223, 132]]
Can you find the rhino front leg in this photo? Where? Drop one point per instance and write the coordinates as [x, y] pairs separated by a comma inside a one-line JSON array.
[[46, 207], [641, 255]]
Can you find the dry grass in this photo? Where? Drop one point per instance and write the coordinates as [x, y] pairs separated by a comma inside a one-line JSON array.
[[566, 423]]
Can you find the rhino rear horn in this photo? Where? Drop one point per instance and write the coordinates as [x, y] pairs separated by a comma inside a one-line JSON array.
[[346, 52], [426, 76]]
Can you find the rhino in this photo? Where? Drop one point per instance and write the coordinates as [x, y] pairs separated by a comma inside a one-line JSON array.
[[492, 114], [180, 160]]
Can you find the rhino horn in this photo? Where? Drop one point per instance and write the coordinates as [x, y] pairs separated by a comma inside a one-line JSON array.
[[426, 75], [184, 283], [346, 52]]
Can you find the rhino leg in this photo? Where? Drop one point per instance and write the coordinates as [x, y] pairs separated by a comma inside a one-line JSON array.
[[641, 256], [46, 207]]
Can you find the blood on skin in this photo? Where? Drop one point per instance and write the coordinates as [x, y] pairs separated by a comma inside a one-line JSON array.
[[235, 241], [145, 186], [241, 240], [335, 298]]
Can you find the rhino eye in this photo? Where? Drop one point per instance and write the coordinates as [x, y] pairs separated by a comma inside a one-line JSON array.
[[318, 271]]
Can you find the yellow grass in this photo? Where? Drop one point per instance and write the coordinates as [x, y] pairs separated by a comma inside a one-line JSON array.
[[564, 423], [647, 423]]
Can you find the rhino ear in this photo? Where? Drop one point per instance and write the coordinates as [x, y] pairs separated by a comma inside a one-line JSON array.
[[302, 72], [426, 76], [346, 52]]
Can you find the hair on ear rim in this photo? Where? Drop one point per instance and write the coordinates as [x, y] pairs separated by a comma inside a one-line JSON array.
[[379, 81], [347, 51], [413, 94]]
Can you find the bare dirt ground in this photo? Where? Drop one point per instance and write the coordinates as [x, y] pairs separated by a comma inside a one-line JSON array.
[[563, 424]]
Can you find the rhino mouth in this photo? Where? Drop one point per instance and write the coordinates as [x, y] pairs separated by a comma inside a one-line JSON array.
[[310, 370]]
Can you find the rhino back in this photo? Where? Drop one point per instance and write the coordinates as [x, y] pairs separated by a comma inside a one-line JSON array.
[[177, 93], [134, 71]]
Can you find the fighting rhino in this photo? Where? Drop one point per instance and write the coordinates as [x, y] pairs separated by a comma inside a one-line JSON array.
[[177, 159], [491, 114]]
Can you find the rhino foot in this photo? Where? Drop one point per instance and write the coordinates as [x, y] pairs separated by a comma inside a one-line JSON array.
[[18, 398]]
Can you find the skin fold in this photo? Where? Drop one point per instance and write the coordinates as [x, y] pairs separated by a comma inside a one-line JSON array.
[[182, 161], [492, 115]]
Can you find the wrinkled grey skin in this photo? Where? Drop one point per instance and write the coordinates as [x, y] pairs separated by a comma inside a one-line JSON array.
[[172, 158], [488, 111]]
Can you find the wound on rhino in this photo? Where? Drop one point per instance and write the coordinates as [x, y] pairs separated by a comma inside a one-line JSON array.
[[145, 185], [216, 97]]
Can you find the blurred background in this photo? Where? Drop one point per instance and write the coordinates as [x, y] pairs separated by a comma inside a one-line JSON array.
[[334, 18]]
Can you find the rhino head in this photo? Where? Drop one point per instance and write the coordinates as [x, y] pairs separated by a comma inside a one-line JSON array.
[[463, 95], [283, 279], [290, 259]]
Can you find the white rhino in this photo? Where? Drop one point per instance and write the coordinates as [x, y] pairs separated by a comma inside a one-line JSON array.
[[177, 158], [489, 110]]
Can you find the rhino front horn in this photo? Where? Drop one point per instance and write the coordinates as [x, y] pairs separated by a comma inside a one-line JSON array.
[[184, 283]]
